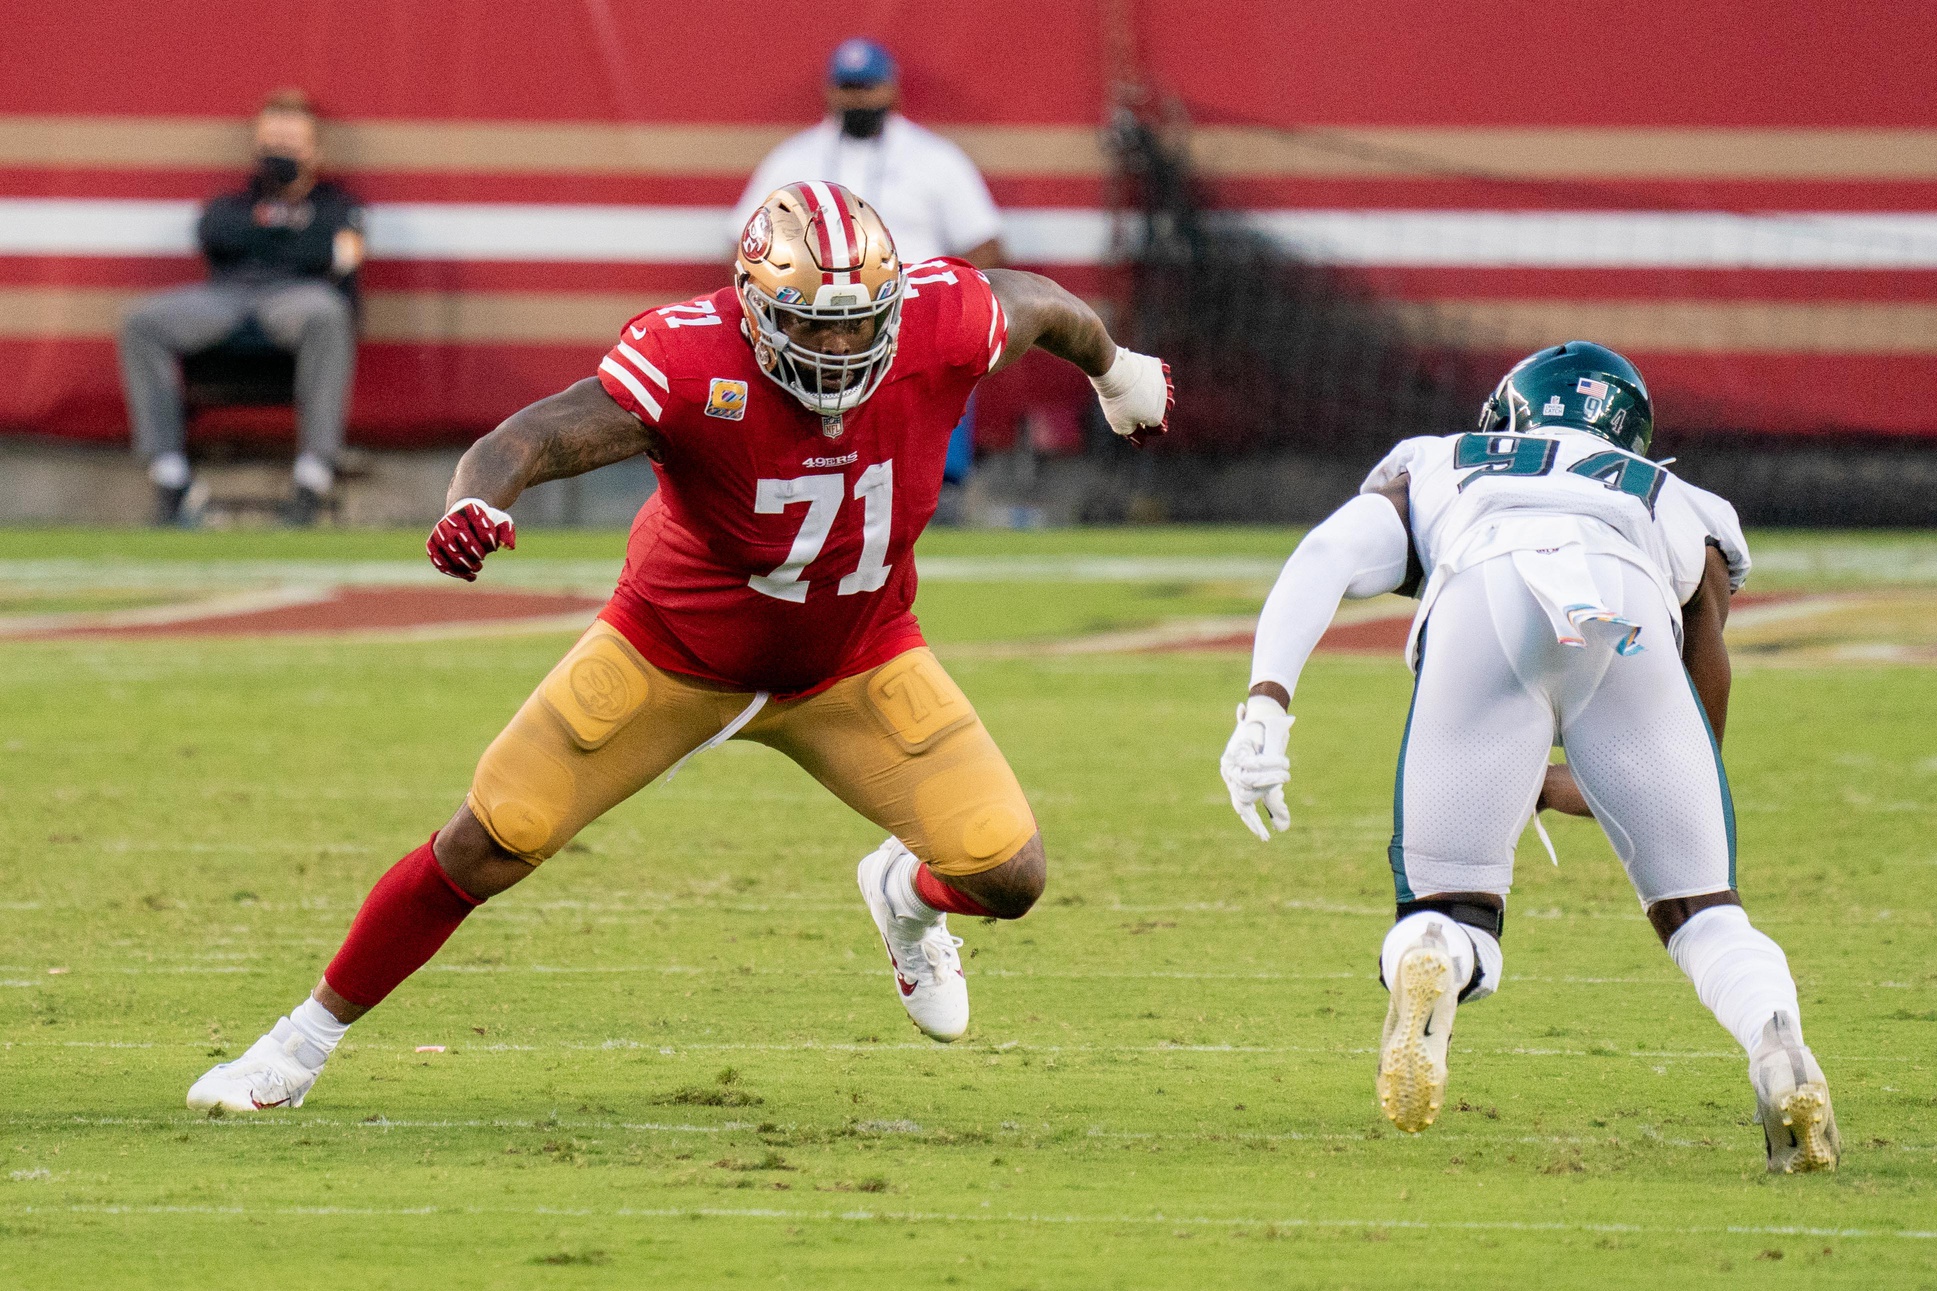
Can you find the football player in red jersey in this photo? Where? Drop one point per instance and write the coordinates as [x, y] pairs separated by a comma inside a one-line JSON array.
[[797, 423]]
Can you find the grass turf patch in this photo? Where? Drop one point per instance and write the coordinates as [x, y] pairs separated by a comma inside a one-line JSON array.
[[1169, 1079]]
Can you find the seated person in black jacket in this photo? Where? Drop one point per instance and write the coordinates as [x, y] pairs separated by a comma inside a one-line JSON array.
[[281, 252]]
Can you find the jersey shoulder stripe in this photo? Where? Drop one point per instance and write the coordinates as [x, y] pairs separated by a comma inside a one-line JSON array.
[[642, 365], [644, 404], [658, 346]]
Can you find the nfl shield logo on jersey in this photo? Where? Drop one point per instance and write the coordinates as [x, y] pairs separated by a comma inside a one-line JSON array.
[[727, 399]]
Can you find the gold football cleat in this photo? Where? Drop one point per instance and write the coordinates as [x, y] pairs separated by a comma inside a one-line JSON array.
[[1418, 1028], [1792, 1101]]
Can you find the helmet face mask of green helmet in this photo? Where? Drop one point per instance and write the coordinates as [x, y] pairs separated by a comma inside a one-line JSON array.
[[1579, 385]]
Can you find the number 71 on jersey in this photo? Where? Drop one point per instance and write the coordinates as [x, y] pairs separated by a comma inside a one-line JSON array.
[[874, 488]]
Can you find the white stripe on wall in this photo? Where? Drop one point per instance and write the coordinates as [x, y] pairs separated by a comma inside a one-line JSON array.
[[1049, 236], [1608, 239]]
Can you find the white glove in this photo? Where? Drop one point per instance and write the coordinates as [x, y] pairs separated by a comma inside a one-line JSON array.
[[1255, 764], [1136, 395]]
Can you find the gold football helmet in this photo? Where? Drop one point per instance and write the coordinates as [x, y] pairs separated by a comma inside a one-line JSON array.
[[815, 252]]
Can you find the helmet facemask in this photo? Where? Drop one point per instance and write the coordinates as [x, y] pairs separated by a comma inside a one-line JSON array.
[[826, 383]]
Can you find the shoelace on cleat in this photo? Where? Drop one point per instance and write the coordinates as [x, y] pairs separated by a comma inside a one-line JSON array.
[[936, 950]]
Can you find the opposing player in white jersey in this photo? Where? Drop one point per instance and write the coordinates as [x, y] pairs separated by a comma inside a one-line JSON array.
[[1572, 593]]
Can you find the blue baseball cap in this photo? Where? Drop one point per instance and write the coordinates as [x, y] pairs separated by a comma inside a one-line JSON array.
[[859, 63]]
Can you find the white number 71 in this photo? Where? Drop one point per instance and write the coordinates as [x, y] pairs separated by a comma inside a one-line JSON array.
[[822, 493]]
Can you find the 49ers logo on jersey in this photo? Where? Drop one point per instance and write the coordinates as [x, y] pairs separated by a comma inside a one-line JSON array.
[[726, 399], [757, 239]]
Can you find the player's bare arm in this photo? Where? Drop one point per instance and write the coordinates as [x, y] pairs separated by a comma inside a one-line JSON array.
[[579, 429], [1133, 388], [1043, 312], [1703, 652]]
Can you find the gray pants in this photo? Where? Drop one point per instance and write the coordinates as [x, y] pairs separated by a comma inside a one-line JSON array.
[[310, 318]]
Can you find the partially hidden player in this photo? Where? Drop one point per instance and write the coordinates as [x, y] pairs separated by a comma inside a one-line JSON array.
[[797, 423], [1572, 593]]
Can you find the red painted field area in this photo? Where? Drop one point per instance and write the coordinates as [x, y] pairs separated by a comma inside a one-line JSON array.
[[364, 609], [1763, 624]]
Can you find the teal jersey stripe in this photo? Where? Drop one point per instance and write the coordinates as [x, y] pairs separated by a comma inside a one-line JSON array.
[[1396, 852]]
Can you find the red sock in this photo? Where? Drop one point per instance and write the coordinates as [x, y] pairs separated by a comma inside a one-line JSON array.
[[412, 910], [940, 896]]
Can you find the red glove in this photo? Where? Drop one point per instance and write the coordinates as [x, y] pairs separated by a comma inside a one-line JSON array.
[[469, 531]]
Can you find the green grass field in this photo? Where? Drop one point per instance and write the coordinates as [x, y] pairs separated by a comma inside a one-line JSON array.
[[673, 1058]]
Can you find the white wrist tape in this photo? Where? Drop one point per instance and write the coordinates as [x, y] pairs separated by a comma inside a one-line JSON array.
[[1133, 392], [1117, 381], [1264, 710]]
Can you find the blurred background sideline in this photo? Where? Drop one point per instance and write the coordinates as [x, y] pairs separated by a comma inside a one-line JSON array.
[[1339, 223]]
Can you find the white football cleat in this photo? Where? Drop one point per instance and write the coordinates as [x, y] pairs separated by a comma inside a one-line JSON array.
[[1792, 1101], [273, 1073], [1418, 1028], [927, 964]]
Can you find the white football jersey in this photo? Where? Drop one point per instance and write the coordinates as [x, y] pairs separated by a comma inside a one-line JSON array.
[[1478, 495]]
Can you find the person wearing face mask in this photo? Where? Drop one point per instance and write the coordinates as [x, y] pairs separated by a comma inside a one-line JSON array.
[[925, 187], [282, 253]]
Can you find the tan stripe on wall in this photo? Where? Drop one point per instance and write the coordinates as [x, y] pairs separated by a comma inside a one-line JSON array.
[[1580, 153], [1677, 326], [1000, 150], [594, 318]]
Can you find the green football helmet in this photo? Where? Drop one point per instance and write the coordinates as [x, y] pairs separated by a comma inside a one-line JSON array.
[[1580, 384]]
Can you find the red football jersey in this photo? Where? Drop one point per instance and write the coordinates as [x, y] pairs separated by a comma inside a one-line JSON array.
[[776, 556]]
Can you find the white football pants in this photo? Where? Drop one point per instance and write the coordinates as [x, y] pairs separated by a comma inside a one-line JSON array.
[[1496, 691]]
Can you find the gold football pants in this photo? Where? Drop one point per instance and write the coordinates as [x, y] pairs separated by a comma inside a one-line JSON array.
[[900, 744]]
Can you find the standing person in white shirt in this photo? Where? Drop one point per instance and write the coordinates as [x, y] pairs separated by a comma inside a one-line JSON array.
[[1572, 593], [926, 188]]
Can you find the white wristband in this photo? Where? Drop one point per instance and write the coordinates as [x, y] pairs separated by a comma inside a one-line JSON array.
[[491, 513], [1263, 708]]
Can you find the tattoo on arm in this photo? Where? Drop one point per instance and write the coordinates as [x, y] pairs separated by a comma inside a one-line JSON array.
[[574, 431], [1042, 313]]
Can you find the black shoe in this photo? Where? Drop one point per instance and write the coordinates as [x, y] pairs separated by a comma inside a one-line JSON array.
[[303, 507], [168, 506]]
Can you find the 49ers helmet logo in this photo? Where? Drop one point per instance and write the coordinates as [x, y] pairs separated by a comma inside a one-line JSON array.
[[757, 239]]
